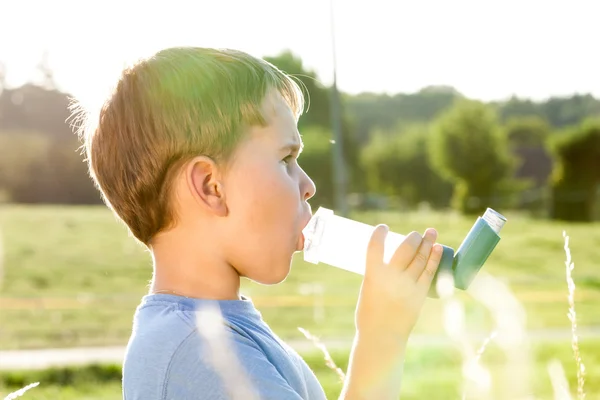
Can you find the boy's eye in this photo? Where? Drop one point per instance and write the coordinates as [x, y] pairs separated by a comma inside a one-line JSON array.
[[287, 159]]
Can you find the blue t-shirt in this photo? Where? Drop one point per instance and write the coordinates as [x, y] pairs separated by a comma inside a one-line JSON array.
[[192, 349]]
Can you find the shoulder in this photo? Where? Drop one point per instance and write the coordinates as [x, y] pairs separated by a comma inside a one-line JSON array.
[[178, 353], [159, 330], [218, 363]]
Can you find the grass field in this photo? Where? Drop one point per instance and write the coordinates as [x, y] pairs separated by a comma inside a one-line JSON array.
[[72, 276], [430, 373]]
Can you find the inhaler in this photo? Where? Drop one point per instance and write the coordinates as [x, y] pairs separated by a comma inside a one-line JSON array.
[[342, 243]]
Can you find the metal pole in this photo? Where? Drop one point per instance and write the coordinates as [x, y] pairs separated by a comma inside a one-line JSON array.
[[339, 178]]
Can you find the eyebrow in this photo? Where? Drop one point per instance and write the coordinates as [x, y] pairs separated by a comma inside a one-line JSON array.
[[293, 147]]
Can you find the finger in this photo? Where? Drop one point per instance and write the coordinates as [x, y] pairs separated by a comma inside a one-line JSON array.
[[432, 266], [406, 251], [375, 248], [417, 265]]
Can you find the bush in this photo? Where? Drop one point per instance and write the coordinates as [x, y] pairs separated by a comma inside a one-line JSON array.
[[396, 164], [576, 176], [467, 147]]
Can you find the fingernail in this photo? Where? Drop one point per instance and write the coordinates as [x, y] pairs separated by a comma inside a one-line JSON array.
[[430, 233]]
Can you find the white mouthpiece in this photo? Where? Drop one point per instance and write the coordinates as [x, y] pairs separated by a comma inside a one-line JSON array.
[[342, 242]]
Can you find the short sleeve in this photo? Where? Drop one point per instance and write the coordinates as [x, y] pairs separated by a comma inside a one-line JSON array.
[[229, 367]]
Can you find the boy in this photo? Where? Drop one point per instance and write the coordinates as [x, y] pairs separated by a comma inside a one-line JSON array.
[[196, 152]]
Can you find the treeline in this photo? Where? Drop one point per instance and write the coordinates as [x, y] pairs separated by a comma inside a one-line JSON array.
[[434, 147], [39, 157]]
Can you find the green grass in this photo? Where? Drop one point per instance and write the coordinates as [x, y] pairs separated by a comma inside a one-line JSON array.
[[88, 391], [430, 372], [72, 276]]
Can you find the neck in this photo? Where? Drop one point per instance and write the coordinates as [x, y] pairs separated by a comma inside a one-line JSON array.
[[187, 269]]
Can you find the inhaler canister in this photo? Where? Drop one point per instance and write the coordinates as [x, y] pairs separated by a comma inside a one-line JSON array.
[[477, 247]]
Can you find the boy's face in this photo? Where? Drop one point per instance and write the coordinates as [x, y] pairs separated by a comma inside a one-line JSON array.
[[266, 195]]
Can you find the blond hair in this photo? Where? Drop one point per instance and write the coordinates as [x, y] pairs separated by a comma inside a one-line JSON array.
[[167, 109]]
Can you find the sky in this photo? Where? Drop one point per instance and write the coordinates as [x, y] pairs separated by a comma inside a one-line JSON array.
[[486, 49]]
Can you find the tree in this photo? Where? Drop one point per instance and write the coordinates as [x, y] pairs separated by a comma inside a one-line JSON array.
[[527, 137], [558, 111], [576, 177], [381, 111], [569, 111], [397, 164], [21, 154], [516, 107], [36, 168], [466, 146], [527, 131]]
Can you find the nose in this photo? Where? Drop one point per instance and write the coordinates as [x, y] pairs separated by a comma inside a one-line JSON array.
[[307, 186]]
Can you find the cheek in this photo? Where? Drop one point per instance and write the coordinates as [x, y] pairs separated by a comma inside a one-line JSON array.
[[264, 193], [265, 208]]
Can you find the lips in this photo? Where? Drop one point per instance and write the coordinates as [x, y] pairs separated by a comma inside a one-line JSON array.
[[306, 220]]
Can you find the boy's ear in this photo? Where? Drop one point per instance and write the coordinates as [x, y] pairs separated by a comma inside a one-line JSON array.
[[206, 186]]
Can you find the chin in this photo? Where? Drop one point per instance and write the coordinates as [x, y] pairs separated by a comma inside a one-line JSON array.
[[271, 282], [273, 270], [275, 275], [275, 278]]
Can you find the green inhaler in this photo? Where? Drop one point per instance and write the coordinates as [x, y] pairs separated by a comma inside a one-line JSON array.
[[342, 243]]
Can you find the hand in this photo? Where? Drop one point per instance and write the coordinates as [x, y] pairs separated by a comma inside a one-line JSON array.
[[392, 295]]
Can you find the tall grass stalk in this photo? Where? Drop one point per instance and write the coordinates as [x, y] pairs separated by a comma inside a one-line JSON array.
[[560, 385], [20, 392], [510, 325], [475, 375], [476, 371], [221, 354], [570, 265], [321, 346]]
